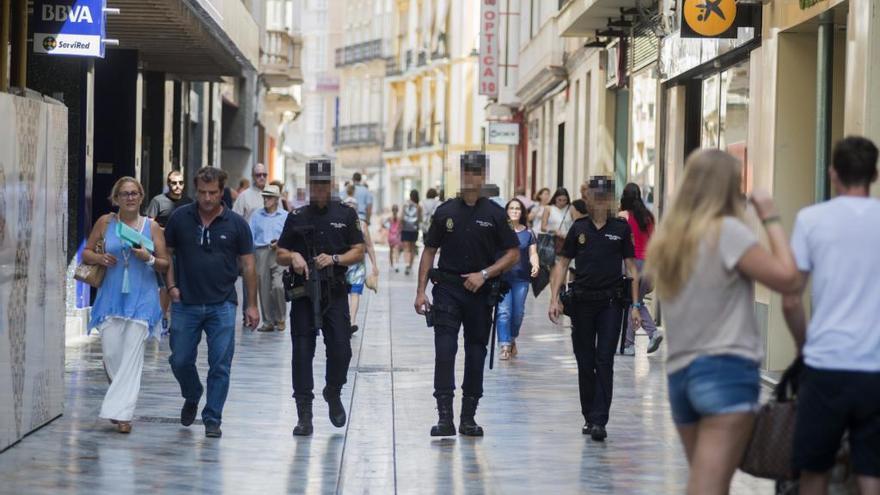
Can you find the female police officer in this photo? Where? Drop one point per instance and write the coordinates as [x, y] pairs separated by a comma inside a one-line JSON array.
[[599, 243], [319, 242], [469, 231]]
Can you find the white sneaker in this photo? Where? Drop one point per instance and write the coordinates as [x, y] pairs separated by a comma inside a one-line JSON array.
[[654, 343], [629, 350]]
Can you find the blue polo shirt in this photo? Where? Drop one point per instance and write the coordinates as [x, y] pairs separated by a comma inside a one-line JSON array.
[[206, 260]]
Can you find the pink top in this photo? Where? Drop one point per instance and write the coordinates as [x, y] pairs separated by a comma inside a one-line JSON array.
[[640, 237]]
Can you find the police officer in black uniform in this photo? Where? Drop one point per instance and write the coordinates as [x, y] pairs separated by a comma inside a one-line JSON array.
[[328, 232], [600, 243], [470, 231]]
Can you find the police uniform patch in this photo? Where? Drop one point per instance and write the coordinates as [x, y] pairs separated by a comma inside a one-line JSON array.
[[449, 225], [582, 239]]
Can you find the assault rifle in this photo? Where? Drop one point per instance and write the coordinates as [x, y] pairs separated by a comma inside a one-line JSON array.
[[316, 287]]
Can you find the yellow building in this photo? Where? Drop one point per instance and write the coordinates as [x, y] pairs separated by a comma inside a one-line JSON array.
[[432, 110]]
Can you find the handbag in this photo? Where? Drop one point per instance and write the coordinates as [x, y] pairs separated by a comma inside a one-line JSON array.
[[559, 242], [92, 274], [540, 281], [769, 452], [546, 250]]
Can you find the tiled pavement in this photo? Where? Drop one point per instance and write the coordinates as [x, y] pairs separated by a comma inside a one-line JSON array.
[[530, 413]]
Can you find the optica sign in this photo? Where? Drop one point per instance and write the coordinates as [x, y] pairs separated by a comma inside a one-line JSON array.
[[489, 20], [69, 27]]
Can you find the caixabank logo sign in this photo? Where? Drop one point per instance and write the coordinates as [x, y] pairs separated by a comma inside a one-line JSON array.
[[69, 27]]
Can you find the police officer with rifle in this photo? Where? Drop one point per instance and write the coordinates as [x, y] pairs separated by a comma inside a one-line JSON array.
[[598, 299], [319, 241], [469, 231]]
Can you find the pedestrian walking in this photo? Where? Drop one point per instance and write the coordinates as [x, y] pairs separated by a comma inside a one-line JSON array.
[[364, 198], [555, 222], [528, 204], [469, 231], [600, 244], [126, 311], [248, 201], [319, 242], [536, 214], [266, 225], [356, 276], [394, 226], [704, 261], [412, 219], [513, 306], [641, 224], [835, 243], [160, 209], [429, 205], [210, 243]]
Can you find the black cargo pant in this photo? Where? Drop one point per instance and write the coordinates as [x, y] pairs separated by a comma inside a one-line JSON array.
[[454, 307], [594, 335], [337, 344]]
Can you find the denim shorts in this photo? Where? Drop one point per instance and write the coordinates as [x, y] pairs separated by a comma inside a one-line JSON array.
[[356, 289], [713, 385]]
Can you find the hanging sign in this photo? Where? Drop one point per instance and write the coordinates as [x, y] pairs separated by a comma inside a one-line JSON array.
[[504, 133], [708, 19], [69, 27], [489, 21]]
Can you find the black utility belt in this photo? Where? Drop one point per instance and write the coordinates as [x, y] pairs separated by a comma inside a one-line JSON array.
[[579, 294], [493, 289]]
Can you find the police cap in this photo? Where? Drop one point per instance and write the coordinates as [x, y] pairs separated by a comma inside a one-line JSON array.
[[474, 161], [319, 171], [601, 184]]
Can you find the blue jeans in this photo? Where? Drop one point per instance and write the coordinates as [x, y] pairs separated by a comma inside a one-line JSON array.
[[510, 312], [187, 323], [712, 385]]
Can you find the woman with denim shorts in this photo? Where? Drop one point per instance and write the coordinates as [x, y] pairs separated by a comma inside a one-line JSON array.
[[704, 261]]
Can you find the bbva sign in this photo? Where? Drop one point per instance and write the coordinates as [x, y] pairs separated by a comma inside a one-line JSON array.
[[63, 13]]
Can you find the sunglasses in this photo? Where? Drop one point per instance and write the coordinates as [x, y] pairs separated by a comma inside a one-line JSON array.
[[261, 175], [205, 238], [129, 194], [176, 182]]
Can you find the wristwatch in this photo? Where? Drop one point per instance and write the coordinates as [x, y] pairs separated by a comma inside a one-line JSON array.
[[485, 274], [335, 259]]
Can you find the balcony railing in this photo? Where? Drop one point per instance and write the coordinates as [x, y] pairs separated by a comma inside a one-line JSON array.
[[280, 59], [392, 67], [361, 52], [397, 144], [358, 135]]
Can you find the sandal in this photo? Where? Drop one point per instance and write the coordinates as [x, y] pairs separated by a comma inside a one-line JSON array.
[[123, 426], [505, 353]]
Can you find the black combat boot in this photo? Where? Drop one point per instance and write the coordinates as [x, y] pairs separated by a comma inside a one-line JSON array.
[[467, 426], [303, 426], [337, 410], [445, 426]]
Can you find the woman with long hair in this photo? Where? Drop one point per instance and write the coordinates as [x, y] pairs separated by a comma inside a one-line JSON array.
[[536, 214], [126, 310], [513, 306], [555, 222], [641, 222], [704, 261], [412, 219]]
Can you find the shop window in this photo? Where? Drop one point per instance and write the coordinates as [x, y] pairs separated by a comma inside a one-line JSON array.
[[643, 137], [725, 115]]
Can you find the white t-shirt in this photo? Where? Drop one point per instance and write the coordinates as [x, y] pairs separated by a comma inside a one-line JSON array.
[[838, 242]]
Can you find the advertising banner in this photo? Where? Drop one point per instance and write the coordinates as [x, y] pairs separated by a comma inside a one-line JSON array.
[[69, 27], [489, 21]]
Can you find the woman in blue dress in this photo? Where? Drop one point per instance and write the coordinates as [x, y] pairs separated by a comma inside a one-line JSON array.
[[126, 311]]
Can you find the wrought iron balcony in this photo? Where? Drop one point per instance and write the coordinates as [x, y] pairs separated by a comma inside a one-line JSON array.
[[397, 144], [392, 67], [281, 59], [350, 136], [361, 52]]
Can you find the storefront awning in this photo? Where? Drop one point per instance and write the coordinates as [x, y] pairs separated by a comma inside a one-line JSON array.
[[197, 38], [582, 18]]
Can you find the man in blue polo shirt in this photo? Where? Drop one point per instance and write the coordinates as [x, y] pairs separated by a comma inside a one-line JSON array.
[[210, 243]]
